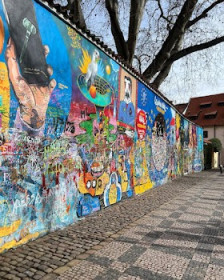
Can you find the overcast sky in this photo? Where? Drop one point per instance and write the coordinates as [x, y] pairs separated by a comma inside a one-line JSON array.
[[198, 74]]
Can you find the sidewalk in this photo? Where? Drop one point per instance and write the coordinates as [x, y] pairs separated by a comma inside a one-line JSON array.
[[171, 232]]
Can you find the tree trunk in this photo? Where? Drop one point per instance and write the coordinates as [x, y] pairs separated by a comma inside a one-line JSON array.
[[136, 14], [76, 11], [176, 32]]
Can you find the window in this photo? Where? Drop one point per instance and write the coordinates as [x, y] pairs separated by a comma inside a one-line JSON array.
[[221, 103], [211, 115], [208, 117], [205, 134], [193, 118], [205, 105]]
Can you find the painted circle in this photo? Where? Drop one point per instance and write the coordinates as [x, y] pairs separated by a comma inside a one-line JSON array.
[[108, 69], [92, 91]]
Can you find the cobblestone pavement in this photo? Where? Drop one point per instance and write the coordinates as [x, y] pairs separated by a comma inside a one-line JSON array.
[[182, 239], [171, 232]]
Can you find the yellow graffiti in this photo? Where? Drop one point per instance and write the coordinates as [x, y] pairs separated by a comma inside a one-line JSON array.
[[14, 243], [143, 188], [160, 110], [105, 179], [74, 37], [99, 188], [84, 63], [4, 97], [177, 121], [113, 194], [7, 230], [144, 183]]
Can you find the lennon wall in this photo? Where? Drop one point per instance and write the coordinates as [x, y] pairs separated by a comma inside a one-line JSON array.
[[77, 131]]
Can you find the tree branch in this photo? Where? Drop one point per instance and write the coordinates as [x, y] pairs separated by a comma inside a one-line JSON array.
[[162, 74], [136, 13], [204, 13], [179, 54], [176, 32], [121, 45], [162, 13], [167, 66], [196, 48], [75, 9]]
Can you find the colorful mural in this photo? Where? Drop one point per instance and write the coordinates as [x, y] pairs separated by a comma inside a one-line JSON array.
[[77, 131]]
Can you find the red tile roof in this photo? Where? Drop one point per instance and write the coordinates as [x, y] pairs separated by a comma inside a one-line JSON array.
[[181, 107], [196, 109]]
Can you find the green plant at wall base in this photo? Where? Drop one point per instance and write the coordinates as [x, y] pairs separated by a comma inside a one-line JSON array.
[[216, 144]]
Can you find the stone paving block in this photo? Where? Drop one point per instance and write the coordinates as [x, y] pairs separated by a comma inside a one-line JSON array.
[[214, 272], [201, 258], [178, 239], [114, 250], [129, 277], [37, 277], [145, 274], [216, 261], [166, 223], [195, 270], [102, 261], [61, 269], [131, 255], [11, 277], [110, 274], [168, 264], [51, 276], [175, 215], [195, 229], [127, 240], [218, 252], [82, 256], [84, 270], [73, 263], [180, 252]]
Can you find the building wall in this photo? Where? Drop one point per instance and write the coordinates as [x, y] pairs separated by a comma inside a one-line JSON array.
[[216, 132], [78, 132]]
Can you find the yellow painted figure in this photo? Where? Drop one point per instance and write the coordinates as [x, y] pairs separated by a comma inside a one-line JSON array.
[[142, 183], [4, 87], [142, 180]]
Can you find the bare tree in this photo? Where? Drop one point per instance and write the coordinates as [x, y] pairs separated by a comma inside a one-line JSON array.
[[153, 34]]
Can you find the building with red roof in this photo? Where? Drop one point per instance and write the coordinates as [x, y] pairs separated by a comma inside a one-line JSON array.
[[208, 112]]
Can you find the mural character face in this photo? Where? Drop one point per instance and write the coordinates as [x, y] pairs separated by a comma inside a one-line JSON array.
[[96, 56], [159, 143], [141, 124], [97, 168], [128, 89]]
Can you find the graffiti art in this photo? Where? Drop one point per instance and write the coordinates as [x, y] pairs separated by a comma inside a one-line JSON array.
[[78, 132]]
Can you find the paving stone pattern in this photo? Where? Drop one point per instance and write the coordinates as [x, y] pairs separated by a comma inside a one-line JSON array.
[[181, 239], [163, 234]]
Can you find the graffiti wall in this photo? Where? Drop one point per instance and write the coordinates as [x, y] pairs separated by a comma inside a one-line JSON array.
[[77, 131]]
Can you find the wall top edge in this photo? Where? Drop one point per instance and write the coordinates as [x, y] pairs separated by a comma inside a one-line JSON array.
[[62, 14]]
